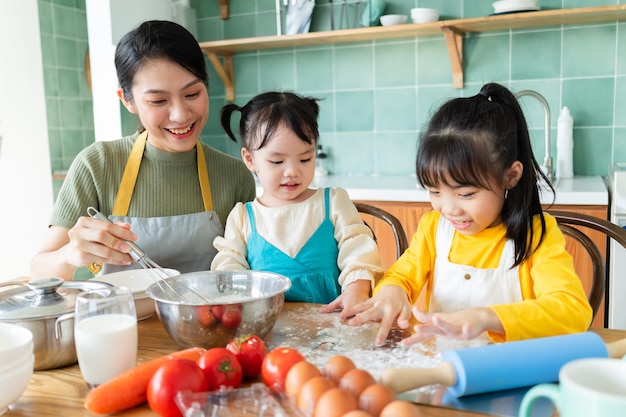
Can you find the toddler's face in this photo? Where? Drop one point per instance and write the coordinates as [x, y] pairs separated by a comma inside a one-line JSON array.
[[285, 167]]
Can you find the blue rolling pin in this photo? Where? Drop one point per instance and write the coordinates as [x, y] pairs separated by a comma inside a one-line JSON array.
[[503, 366]]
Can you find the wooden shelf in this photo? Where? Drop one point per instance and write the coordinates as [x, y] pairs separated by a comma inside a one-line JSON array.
[[220, 52]]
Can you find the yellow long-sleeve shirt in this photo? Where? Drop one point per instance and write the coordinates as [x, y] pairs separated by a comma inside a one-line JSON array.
[[553, 299]]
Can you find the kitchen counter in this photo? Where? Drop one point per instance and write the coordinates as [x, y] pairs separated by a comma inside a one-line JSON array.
[[404, 188]]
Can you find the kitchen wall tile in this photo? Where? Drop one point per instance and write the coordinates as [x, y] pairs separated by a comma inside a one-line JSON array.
[[266, 24], [246, 68], [240, 26], [69, 82], [430, 98], [353, 66], [276, 71], [210, 29], [46, 19], [532, 54], [433, 61], [354, 111], [52, 113], [582, 56], [619, 145], [621, 49], [592, 150], [354, 152], [620, 102], [486, 57], [310, 75], [395, 153], [590, 100], [327, 117], [241, 7], [394, 109], [388, 72]]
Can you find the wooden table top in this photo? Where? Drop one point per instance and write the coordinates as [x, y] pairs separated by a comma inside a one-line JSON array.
[[60, 392]]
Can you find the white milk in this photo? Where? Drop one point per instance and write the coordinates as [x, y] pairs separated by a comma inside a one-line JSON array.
[[106, 346]]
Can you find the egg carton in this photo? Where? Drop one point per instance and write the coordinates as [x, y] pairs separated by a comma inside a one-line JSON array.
[[254, 401]]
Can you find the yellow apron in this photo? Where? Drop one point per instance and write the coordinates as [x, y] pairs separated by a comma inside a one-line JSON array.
[[183, 242]]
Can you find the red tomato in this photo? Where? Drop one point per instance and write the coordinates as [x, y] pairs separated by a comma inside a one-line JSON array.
[[276, 364], [205, 316], [221, 367], [232, 316], [250, 351], [174, 376], [218, 312]]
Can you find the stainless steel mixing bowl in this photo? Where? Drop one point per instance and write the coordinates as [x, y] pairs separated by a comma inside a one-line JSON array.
[[209, 308]]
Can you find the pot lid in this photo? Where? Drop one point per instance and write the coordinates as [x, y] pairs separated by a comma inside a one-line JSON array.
[[42, 298]]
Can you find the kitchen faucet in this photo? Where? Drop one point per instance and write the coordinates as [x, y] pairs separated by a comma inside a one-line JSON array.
[[547, 161]]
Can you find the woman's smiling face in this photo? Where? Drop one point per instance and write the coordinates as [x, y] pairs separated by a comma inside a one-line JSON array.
[[171, 103]]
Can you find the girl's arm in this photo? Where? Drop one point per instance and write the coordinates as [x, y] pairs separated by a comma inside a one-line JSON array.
[[554, 299], [232, 248]]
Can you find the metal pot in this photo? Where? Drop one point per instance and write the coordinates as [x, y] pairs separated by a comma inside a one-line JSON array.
[[37, 305]]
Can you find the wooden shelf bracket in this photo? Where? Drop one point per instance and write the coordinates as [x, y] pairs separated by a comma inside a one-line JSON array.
[[454, 42], [224, 69], [224, 13]]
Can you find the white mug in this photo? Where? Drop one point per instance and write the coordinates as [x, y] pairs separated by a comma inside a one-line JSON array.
[[105, 333], [593, 387]]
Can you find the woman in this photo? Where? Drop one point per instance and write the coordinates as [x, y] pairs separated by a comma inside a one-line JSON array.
[[165, 189]]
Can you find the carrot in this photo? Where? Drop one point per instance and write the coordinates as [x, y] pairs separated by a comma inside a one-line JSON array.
[[129, 389]]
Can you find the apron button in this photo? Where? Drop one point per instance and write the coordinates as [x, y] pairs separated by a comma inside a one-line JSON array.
[[467, 276]]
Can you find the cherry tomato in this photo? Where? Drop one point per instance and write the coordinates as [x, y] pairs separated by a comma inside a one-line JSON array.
[[221, 367], [250, 351], [205, 316], [276, 364], [218, 312], [232, 316], [174, 376]]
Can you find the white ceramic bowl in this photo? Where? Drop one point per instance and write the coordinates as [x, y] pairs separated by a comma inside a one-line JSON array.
[[16, 342], [137, 280], [14, 382], [424, 15], [393, 19], [507, 6]]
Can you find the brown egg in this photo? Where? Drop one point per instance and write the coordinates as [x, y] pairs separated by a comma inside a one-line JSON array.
[[335, 403], [375, 397], [336, 366], [298, 374], [399, 408], [356, 380], [357, 413], [311, 391]]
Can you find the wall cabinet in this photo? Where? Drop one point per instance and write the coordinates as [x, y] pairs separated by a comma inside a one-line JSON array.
[[409, 215], [220, 53]]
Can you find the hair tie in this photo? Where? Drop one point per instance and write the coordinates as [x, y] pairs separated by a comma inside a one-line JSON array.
[[484, 94]]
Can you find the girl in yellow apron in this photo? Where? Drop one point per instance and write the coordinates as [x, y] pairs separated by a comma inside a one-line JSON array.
[[487, 261], [172, 191]]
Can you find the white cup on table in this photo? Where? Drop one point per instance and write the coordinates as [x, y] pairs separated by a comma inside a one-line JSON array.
[[105, 333], [593, 387]]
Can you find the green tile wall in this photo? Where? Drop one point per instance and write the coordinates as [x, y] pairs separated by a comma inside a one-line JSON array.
[[376, 96], [63, 25]]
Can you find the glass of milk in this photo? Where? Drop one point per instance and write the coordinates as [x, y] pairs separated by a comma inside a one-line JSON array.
[[105, 333]]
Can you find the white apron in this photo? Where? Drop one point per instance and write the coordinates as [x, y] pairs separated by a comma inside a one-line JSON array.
[[459, 287], [183, 242]]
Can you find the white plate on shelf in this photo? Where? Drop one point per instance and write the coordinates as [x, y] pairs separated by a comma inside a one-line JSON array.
[[516, 9]]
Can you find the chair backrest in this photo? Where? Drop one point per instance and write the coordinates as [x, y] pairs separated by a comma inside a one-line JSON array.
[[567, 220], [402, 242]]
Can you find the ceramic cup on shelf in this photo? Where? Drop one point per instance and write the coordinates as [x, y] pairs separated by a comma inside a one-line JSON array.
[[593, 387], [105, 332]]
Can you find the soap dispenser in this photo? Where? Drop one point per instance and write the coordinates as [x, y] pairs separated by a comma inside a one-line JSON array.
[[320, 171], [565, 145]]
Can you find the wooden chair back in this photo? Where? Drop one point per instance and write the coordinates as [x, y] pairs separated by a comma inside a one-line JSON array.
[[567, 221], [392, 221]]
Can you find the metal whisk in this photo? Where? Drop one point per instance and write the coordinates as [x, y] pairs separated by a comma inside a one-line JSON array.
[[156, 272]]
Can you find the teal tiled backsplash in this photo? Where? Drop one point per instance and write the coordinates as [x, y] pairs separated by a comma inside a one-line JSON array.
[[376, 96]]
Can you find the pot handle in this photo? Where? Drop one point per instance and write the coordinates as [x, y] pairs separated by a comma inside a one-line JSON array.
[[58, 321]]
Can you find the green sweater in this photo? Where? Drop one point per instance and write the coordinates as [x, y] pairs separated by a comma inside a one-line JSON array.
[[167, 183]]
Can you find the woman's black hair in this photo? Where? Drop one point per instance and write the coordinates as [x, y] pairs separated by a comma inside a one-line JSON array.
[[473, 141], [262, 115], [157, 39]]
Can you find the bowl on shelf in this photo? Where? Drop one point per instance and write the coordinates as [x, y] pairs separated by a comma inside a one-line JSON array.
[[393, 19], [424, 15], [210, 308], [137, 280], [511, 6]]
